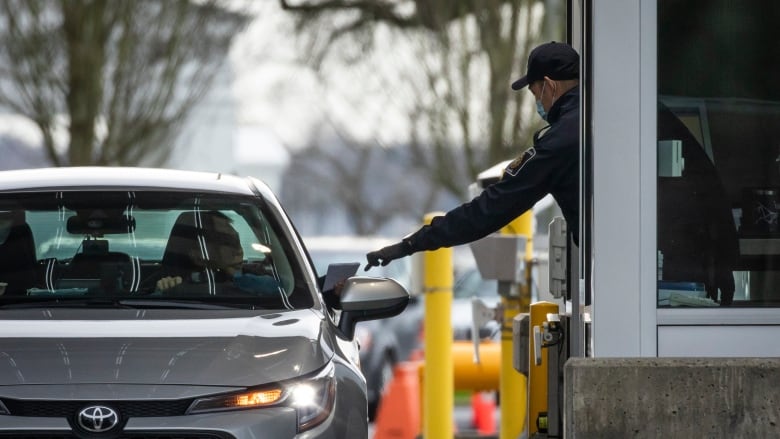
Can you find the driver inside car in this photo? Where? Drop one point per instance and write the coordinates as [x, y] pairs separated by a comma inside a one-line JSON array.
[[217, 259]]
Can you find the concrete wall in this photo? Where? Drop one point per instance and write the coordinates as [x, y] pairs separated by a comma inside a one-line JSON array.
[[672, 398]]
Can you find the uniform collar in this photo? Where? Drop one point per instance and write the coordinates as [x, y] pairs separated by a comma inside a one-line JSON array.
[[569, 101]]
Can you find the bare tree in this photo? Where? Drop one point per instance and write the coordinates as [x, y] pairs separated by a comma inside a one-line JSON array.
[[338, 175], [463, 116], [120, 75]]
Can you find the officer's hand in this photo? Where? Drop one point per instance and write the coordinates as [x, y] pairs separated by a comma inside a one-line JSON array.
[[385, 255]]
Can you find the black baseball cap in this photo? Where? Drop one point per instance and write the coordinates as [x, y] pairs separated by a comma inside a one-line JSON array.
[[555, 60]]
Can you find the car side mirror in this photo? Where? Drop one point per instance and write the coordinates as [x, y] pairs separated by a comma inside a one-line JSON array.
[[369, 298]]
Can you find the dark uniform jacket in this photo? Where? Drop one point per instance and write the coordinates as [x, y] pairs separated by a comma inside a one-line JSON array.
[[550, 166]]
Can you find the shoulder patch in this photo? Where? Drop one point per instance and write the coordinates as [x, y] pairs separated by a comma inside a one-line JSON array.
[[518, 163]]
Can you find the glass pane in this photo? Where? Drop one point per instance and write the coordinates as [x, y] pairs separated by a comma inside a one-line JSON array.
[[718, 153], [147, 245]]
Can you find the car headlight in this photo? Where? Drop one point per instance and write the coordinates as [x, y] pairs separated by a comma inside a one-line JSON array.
[[311, 397]]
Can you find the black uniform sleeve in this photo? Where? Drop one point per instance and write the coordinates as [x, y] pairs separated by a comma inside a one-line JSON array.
[[525, 181]]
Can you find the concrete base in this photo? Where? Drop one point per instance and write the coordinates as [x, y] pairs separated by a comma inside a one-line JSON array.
[[671, 398]]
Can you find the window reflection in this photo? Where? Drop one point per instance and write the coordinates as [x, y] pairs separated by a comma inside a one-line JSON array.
[[697, 238], [718, 154]]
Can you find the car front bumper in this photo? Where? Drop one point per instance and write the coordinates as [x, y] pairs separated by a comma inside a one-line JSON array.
[[277, 422]]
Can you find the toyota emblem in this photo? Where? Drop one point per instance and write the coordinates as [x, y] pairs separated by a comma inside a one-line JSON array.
[[97, 418]]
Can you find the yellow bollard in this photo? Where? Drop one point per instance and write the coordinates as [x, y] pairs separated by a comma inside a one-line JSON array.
[[537, 374], [512, 384], [438, 399], [523, 226]]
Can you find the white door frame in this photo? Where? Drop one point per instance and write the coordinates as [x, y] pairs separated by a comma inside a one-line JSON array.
[[623, 90]]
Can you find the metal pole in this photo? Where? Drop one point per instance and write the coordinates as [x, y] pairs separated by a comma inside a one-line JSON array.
[[577, 321], [512, 384], [438, 399]]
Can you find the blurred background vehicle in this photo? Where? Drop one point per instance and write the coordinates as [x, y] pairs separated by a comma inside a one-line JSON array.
[[383, 343], [467, 285]]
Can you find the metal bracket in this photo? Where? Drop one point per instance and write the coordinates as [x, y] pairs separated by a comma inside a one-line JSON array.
[[545, 335], [557, 253], [501, 257], [520, 342], [480, 314], [537, 345]]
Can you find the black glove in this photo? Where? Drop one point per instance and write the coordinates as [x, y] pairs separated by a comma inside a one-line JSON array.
[[384, 255]]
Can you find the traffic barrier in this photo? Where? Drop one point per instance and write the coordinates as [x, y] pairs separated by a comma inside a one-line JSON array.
[[483, 407], [480, 376], [398, 414]]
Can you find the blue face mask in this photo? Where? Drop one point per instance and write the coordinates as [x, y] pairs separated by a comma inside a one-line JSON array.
[[539, 106], [540, 110]]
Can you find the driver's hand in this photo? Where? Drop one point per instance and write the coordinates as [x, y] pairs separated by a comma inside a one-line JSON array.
[[168, 282]]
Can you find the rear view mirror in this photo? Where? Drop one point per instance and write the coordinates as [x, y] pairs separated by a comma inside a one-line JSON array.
[[100, 225], [369, 298]]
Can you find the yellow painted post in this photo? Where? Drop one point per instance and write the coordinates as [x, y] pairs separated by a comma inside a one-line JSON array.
[[438, 399], [523, 226], [513, 384], [537, 374]]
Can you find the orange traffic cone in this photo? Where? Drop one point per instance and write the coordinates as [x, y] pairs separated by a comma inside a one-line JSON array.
[[483, 406], [398, 414]]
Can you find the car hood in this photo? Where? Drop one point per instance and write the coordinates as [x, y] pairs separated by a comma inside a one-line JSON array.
[[241, 351]]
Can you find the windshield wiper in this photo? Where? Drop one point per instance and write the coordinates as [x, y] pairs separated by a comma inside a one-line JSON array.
[[65, 303], [127, 304], [179, 304]]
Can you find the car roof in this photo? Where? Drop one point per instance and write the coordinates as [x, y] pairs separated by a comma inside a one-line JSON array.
[[346, 243], [128, 178]]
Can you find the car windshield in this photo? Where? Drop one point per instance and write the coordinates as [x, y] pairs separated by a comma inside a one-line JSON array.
[[90, 247]]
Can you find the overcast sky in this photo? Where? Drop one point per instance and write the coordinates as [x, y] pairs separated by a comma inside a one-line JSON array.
[[274, 89]]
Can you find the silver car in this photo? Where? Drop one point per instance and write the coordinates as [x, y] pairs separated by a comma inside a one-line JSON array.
[[143, 303], [383, 343]]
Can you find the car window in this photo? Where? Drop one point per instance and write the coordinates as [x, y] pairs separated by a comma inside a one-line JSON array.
[[121, 244]]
